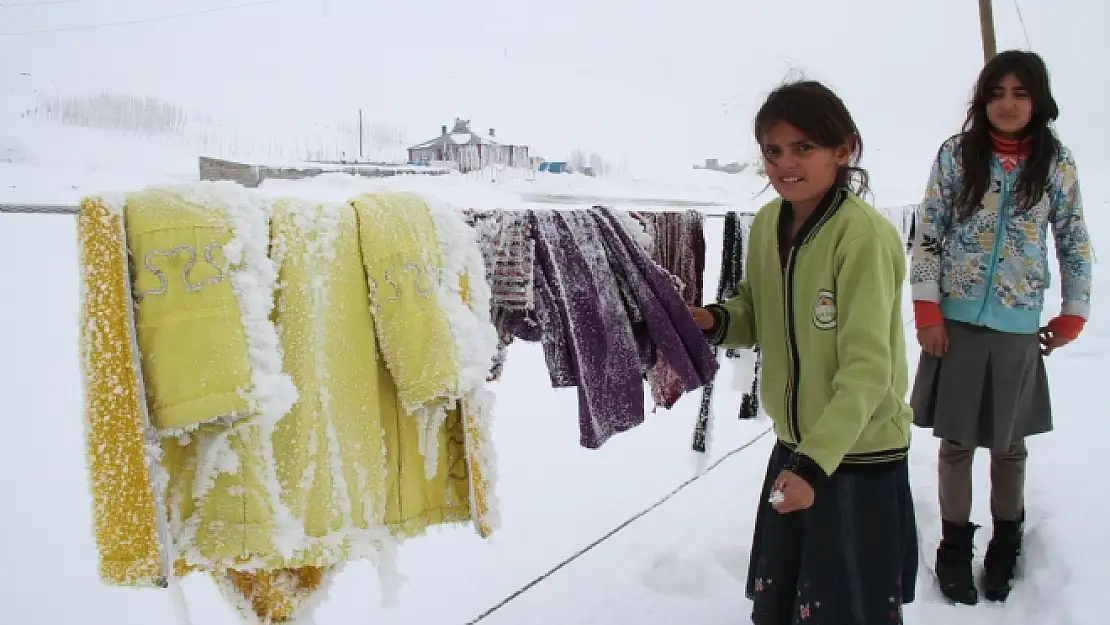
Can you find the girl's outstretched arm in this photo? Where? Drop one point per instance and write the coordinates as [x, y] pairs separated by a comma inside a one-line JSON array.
[[733, 320]]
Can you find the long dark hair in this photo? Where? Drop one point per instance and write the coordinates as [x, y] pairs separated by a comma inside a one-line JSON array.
[[976, 148], [821, 115]]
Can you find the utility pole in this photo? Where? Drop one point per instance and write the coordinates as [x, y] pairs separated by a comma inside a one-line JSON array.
[[986, 27], [360, 134]]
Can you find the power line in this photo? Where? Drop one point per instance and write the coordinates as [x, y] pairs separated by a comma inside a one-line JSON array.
[[161, 18], [40, 3], [1021, 20]]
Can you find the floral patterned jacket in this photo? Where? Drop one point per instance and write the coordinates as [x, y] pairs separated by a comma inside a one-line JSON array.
[[991, 269]]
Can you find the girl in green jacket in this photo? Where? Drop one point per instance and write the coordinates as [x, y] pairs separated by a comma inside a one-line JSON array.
[[835, 538]]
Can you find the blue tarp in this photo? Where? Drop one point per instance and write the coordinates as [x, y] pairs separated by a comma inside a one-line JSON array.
[[557, 167]]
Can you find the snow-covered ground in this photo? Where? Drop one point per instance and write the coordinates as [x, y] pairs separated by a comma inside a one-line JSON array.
[[660, 90], [683, 562]]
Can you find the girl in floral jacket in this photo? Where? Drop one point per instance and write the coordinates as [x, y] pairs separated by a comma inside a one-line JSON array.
[[979, 274]]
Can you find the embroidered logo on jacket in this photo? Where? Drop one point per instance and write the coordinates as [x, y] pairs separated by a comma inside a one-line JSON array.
[[824, 310]]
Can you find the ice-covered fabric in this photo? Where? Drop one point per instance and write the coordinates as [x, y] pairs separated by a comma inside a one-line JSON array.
[[679, 345], [434, 333], [366, 415], [187, 311], [273, 596], [746, 366], [124, 512], [678, 246], [301, 480], [588, 338], [508, 252]]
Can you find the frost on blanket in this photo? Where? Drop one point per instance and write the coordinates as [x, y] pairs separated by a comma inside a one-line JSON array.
[[678, 247], [124, 521], [588, 271], [344, 445], [508, 250], [434, 335], [186, 312], [746, 368]]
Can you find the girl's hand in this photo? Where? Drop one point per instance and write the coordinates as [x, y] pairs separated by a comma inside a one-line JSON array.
[[934, 340], [791, 494], [1051, 340], [702, 317]]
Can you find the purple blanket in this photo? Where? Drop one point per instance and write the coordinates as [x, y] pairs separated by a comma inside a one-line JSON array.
[[587, 335]]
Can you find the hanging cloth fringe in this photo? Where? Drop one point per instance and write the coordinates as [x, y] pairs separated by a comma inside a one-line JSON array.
[[678, 246], [749, 404], [732, 271]]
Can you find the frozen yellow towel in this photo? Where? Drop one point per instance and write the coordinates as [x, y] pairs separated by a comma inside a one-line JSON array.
[[403, 264], [124, 523], [465, 294], [427, 478], [342, 399], [272, 596], [435, 337], [304, 487], [329, 448], [476, 410], [195, 361]]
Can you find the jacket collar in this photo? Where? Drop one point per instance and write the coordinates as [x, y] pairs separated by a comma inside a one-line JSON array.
[[826, 208]]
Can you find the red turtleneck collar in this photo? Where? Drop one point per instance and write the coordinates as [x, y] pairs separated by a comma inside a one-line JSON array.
[[1010, 151]]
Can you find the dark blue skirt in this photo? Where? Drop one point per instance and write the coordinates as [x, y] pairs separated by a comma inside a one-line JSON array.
[[851, 559]]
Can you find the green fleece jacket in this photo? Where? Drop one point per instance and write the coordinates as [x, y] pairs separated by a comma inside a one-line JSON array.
[[826, 311]]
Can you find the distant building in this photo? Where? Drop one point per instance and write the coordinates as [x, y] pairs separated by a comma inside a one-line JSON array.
[[713, 164], [468, 150]]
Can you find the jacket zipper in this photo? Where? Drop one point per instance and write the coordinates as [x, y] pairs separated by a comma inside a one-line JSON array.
[[792, 344], [999, 236]]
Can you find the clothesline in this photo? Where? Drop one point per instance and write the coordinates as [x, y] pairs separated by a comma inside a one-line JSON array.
[[40, 209], [67, 209]]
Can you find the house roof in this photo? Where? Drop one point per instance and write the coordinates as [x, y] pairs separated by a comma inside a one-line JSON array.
[[460, 134]]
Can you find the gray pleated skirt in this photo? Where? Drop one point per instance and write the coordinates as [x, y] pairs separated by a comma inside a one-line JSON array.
[[989, 390]]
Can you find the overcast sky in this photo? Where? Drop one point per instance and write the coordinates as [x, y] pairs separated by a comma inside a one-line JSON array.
[[665, 83]]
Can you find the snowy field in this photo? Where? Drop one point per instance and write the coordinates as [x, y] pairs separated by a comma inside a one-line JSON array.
[[660, 90], [685, 561]]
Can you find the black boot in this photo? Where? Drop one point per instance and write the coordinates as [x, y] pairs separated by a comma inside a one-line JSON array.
[[954, 563], [1001, 560]]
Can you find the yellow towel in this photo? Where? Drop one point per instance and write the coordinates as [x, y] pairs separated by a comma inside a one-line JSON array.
[[329, 447], [403, 266], [195, 366], [124, 523], [323, 484], [386, 432], [274, 596], [436, 340], [476, 410], [427, 480], [306, 489]]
